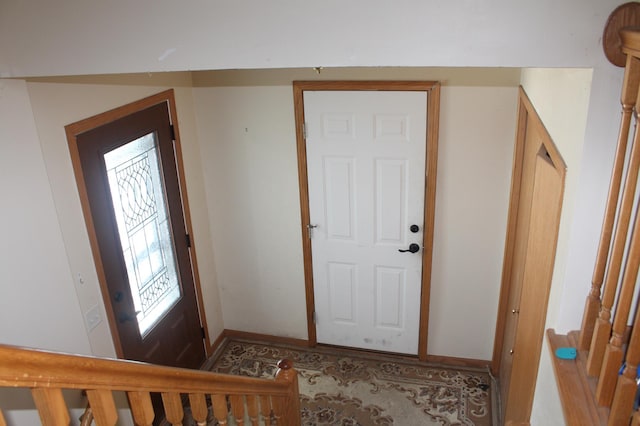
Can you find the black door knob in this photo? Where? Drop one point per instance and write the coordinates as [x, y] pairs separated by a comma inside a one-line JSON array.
[[414, 228], [413, 248]]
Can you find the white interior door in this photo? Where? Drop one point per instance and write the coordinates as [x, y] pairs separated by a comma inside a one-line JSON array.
[[366, 153]]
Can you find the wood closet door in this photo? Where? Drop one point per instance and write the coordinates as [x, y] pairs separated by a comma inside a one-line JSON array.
[[536, 205]]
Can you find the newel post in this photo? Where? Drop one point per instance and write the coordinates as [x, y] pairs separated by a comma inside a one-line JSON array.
[[291, 409]]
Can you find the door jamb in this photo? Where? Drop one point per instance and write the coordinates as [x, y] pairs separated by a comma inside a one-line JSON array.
[[74, 129], [433, 114]]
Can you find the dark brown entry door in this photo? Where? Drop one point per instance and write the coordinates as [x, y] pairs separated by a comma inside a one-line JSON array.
[[130, 173]]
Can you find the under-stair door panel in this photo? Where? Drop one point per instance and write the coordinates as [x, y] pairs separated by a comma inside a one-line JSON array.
[[536, 203], [366, 173]]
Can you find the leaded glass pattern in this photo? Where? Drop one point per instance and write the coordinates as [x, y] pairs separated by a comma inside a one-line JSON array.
[[141, 214]]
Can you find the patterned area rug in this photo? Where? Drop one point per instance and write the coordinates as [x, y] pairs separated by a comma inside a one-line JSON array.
[[342, 387]]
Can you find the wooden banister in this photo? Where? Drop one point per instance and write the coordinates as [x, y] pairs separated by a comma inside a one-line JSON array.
[[628, 101], [614, 352], [220, 410], [597, 393], [602, 330], [626, 386], [48, 373], [141, 408], [286, 374], [199, 410]]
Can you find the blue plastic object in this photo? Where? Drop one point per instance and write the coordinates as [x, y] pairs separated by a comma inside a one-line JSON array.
[[566, 353]]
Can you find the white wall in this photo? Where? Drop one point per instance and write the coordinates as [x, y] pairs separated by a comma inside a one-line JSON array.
[[69, 37], [38, 303], [561, 98], [477, 128], [249, 160], [250, 166]]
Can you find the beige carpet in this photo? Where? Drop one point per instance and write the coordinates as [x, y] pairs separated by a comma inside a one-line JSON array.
[[342, 387]]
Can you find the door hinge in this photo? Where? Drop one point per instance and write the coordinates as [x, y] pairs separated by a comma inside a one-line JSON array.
[[172, 131], [202, 332], [187, 238], [314, 317], [310, 229], [304, 130]]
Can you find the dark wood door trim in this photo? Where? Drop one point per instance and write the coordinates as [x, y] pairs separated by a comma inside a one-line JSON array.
[[433, 117], [77, 128]]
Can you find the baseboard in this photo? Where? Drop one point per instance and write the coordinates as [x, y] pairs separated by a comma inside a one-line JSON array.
[[458, 362], [436, 359], [217, 343], [264, 338]]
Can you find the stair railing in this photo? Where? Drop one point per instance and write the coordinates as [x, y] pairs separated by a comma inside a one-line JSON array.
[[48, 373], [609, 346]]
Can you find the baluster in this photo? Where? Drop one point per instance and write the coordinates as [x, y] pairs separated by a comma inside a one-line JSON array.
[[626, 386], [199, 410], [288, 407], [252, 408], [237, 408], [628, 100], [173, 408], [141, 408], [614, 354], [51, 406], [103, 407], [265, 409], [220, 410], [602, 330]]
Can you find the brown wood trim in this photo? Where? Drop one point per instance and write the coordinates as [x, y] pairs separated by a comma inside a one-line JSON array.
[[548, 143], [366, 85], [267, 338], [217, 344], [433, 120], [576, 389], [514, 200], [458, 362], [433, 130], [72, 131], [298, 104], [187, 218]]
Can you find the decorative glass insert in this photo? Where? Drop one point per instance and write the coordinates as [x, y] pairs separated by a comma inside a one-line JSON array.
[[142, 217]]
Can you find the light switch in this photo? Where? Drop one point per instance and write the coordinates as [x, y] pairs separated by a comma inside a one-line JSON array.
[[93, 317]]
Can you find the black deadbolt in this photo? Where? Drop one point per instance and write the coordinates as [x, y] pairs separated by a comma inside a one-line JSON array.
[[414, 228]]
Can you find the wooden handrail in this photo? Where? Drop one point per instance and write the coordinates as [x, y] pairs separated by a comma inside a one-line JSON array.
[[34, 368], [47, 373]]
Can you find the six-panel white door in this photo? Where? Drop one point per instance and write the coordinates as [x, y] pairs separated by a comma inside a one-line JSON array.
[[366, 173]]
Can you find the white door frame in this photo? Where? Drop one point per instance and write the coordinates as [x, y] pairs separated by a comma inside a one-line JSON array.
[[433, 111]]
